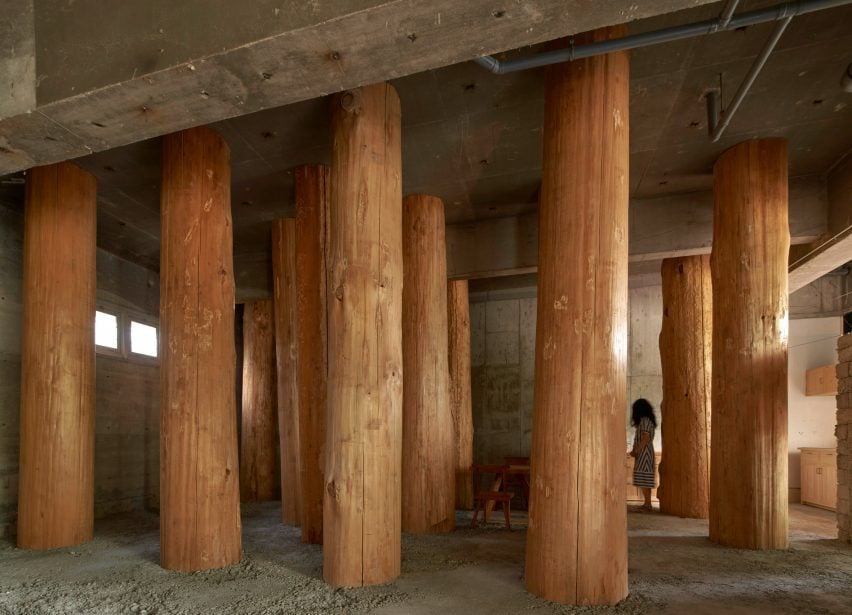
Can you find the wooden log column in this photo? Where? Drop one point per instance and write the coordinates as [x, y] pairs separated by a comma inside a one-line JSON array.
[[311, 280], [199, 474], [577, 537], [685, 346], [361, 511], [428, 433], [287, 365], [461, 406], [56, 492], [751, 239], [259, 433]]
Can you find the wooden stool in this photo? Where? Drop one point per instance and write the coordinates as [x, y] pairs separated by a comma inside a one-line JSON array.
[[484, 498]]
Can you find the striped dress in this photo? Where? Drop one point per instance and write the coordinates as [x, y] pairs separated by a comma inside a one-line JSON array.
[[643, 468]]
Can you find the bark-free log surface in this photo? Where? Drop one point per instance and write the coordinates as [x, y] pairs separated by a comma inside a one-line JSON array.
[[311, 183], [428, 433], [751, 239], [287, 364], [199, 473], [56, 481], [577, 537], [685, 347], [361, 511], [461, 407], [259, 433]]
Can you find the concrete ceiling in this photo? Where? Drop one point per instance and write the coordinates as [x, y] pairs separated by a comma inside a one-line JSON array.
[[474, 138]]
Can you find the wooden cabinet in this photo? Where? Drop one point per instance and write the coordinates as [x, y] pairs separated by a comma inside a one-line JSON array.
[[821, 380], [634, 494], [819, 477]]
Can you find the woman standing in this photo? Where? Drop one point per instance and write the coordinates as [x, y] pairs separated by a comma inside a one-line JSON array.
[[645, 423]]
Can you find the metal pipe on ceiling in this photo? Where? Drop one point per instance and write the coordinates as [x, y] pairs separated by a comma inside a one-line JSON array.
[[665, 35], [716, 127]]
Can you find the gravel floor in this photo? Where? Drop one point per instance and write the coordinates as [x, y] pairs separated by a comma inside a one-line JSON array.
[[673, 569]]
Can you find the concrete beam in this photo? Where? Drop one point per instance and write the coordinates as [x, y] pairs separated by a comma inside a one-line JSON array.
[[117, 75], [677, 225], [834, 247]]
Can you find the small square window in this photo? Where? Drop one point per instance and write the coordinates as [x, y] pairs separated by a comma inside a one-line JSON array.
[[143, 339], [106, 330]]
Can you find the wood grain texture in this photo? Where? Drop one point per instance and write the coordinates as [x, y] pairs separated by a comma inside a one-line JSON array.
[[577, 538], [461, 404], [56, 480], [287, 366], [199, 473], [751, 241], [361, 511], [259, 433], [685, 355], [428, 433], [311, 187]]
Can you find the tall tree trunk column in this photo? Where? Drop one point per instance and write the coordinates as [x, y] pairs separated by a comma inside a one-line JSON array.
[[577, 537], [311, 280], [259, 433], [461, 406], [199, 473], [287, 364], [361, 511], [685, 346], [428, 433], [751, 240], [56, 493]]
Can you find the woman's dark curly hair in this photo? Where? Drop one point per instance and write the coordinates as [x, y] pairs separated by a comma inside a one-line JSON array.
[[642, 408]]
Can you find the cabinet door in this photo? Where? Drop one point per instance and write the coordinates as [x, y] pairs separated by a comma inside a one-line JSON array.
[[828, 479], [809, 476]]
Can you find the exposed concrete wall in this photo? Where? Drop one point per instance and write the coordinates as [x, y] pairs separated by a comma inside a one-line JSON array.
[[822, 297], [503, 363], [127, 392], [811, 420], [644, 371], [844, 438], [11, 255]]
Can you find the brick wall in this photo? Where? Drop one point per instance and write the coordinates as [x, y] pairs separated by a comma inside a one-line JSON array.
[[844, 437]]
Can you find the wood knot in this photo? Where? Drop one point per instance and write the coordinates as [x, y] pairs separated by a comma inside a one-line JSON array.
[[338, 292], [350, 100]]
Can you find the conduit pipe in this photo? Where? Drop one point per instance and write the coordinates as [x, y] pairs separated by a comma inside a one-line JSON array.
[[784, 11], [714, 126]]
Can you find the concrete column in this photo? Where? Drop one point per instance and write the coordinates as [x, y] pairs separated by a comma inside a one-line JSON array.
[[199, 472], [428, 433], [259, 433], [56, 493], [361, 510], [685, 346], [751, 242], [311, 280], [461, 405], [287, 365], [577, 538]]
